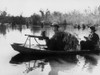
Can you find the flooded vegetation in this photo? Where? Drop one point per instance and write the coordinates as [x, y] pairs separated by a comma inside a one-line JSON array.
[[43, 64], [14, 28]]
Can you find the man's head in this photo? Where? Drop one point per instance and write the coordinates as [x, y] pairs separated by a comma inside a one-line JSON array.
[[92, 28], [55, 27]]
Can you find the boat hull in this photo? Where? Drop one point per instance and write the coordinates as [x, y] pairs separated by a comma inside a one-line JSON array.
[[22, 49]]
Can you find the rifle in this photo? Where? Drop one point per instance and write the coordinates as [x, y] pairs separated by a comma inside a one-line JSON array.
[[34, 36]]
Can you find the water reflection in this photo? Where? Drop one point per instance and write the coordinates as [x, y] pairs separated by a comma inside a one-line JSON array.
[[62, 63], [90, 62], [57, 64], [35, 29], [3, 29], [18, 27]]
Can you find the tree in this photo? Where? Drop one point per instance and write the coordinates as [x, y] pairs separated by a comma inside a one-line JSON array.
[[35, 19]]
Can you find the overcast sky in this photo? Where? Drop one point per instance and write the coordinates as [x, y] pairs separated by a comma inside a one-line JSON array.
[[28, 7]]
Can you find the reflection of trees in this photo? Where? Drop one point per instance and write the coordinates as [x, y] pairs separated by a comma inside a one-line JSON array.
[[35, 29], [3, 29], [18, 27]]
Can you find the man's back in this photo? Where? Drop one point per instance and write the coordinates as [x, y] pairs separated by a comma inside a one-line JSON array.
[[94, 38]]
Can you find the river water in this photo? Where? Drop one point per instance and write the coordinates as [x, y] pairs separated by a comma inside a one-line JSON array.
[[71, 65]]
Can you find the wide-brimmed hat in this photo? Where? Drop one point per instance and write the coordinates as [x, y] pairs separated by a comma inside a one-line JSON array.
[[92, 28], [55, 25]]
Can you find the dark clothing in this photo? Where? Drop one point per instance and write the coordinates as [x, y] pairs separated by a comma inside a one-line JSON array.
[[62, 41], [94, 38], [56, 42], [91, 43]]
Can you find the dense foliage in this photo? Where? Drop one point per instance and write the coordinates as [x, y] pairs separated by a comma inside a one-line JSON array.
[[88, 17], [63, 41]]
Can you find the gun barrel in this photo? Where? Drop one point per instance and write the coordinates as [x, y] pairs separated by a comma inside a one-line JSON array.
[[33, 36]]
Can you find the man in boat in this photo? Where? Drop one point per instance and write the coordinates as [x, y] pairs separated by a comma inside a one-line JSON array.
[[91, 41], [61, 40], [55, 43], [51, 43]]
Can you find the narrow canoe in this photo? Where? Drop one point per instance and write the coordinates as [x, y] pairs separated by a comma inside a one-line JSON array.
[[22, 49]]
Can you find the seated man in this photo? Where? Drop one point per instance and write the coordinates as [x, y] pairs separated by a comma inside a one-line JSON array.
[[61, 41], [91, 40]]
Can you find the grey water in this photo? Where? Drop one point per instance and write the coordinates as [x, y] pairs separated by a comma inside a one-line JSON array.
[[28, 65]]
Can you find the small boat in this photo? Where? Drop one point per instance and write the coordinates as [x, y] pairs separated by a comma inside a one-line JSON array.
[[25, 50], [45, 52]]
